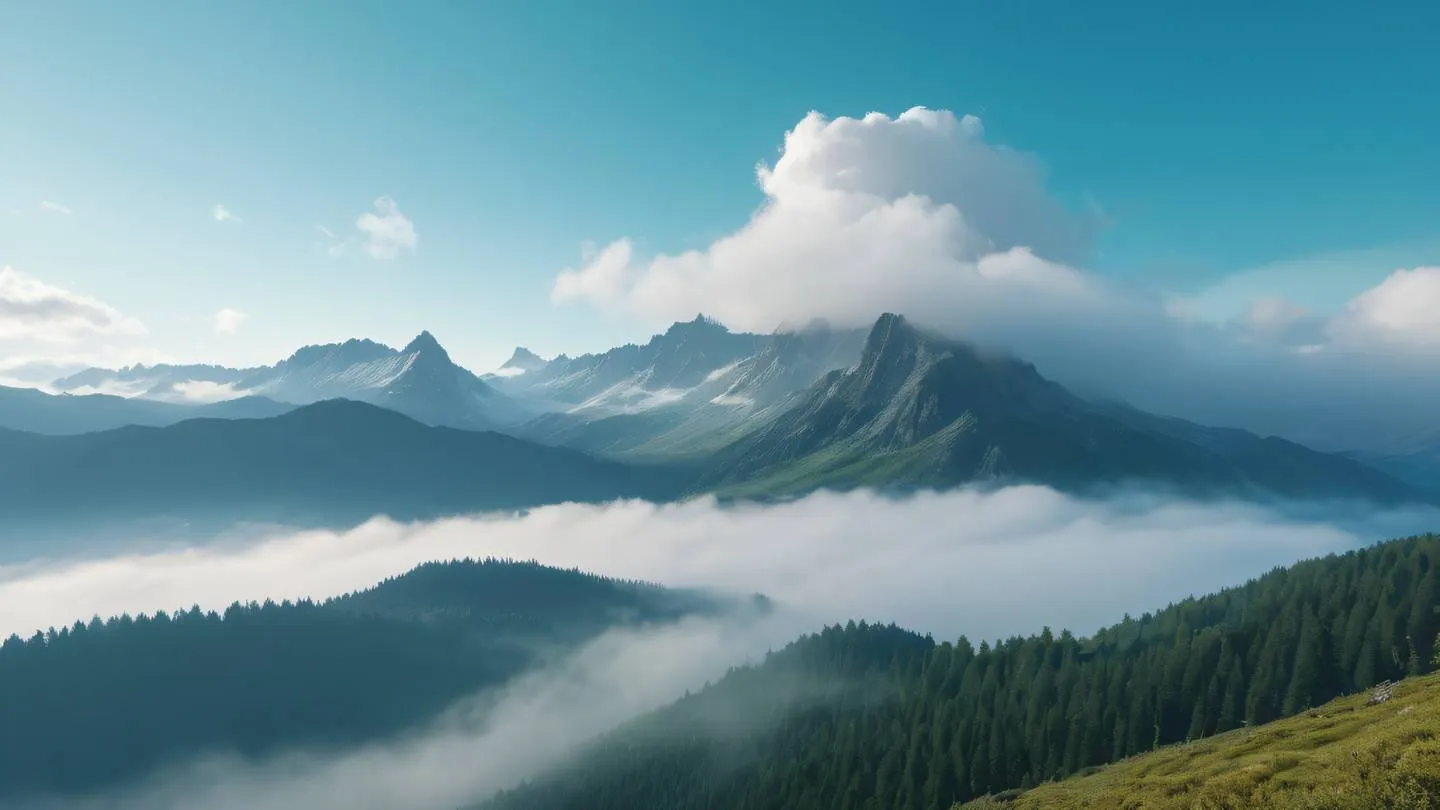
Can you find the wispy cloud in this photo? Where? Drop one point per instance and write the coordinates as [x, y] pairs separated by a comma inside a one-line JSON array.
[[222, 214], [208, 391], [386, 231], [227, 321], [32, 309], [54, 207], [326, 232]]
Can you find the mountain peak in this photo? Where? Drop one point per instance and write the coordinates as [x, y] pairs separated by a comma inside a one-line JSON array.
[[891, 333], [701, 323], [524, 360], [423, 342]]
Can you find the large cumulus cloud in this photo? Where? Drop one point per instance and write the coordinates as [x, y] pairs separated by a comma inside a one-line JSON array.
[[921, 214]]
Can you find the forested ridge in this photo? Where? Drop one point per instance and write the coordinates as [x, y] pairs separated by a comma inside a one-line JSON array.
[[102, 701], [874, 717]]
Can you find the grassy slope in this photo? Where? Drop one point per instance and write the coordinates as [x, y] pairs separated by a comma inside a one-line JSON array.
[[1344, 755], [843, 466]]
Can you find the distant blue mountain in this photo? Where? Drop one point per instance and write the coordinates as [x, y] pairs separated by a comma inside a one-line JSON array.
[[336, 461], [33, 411], [419, 380]]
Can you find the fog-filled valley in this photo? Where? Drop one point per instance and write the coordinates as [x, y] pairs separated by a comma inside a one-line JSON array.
[[505, 406], [295, 669]]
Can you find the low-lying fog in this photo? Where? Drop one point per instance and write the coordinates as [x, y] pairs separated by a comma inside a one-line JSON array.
[[983, 564]]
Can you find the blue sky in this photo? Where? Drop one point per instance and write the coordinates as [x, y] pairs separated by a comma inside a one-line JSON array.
[[1285, 150]]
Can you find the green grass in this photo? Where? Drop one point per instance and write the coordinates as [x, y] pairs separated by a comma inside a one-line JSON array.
[[844, 465], [1344, 755]]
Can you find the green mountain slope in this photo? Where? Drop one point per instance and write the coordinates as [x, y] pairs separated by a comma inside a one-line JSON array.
[[868, 717], [1349, 754], [920, 410], [103, 701]]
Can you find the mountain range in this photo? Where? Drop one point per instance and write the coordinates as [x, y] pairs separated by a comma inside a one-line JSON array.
[[686, 393], [339, 432], [419, 380]]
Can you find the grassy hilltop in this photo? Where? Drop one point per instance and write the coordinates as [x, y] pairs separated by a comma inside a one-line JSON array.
[[1344, 755]]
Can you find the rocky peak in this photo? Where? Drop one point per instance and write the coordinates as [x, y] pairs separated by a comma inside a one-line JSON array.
[[423, 343], [524, 360]]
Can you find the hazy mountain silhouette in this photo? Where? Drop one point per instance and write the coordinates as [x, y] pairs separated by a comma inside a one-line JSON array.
[[522, 359], [336, 460], [34, 411], [419, 380]]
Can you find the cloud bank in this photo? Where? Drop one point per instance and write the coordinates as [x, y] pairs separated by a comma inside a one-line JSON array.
[[920, 214], [984, 564], [947, 563]]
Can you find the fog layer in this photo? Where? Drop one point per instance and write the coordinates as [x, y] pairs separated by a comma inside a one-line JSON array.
[[983, 564]]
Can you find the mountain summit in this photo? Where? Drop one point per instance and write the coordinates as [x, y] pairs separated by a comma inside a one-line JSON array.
[[522, 359], [424, 342], [922, 410]]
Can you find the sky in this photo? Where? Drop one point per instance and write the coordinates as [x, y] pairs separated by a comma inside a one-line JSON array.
[[224, 183]]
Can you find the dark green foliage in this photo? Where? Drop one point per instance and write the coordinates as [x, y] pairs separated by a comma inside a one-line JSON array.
[[901, 723], [94, 703]]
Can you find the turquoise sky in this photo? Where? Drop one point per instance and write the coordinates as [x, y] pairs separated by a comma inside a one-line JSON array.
[[1218, 139]]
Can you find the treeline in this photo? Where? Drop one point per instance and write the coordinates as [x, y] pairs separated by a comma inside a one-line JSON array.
[[106, 700], [928, 725]]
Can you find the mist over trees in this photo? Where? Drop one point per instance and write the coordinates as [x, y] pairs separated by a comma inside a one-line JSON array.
[[98, 702], [911, 724]]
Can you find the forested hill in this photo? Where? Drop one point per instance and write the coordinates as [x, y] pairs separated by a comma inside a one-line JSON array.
[[868, 716], [106, 701]]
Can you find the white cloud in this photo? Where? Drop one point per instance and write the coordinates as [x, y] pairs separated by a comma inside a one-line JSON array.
[[54, 207], [222, 214], [1403, 309], [207, 391], [387, 231], [986, 565], [919, 214], [31, 309], [326, 232], [947, 563], [227, 321]]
